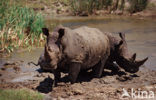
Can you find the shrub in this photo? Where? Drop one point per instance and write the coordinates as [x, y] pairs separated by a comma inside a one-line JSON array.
[[137, 5], [81, 6], [107, 3], [88, 6]]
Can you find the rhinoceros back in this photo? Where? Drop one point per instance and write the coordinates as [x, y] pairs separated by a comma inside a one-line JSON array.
[[85, 45]]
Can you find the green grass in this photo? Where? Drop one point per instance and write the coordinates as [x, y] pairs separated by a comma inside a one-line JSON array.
[[20, 94], [19, 27]]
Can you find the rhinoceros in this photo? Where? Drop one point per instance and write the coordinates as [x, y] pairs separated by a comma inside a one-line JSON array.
[[85, 48], [119, 53]]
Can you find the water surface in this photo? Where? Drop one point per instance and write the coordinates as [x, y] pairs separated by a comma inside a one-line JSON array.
[[140, 35]]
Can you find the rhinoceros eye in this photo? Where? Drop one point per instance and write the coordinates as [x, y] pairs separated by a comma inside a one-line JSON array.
[[49, 49]]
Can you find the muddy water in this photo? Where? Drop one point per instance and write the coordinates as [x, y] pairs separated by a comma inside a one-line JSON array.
[[140, 35]]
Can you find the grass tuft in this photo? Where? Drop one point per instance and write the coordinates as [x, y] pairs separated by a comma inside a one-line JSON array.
[[19, 94]]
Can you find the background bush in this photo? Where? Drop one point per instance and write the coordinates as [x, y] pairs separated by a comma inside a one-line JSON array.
[[137, 5], [86, 7]]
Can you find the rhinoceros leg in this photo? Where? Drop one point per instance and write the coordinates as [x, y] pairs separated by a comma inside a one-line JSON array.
[[74, 69], [113, 67], [98, 69], [57, 76]]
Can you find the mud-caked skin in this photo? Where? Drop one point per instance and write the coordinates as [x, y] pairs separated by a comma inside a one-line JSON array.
[[119, 53], [84, 48], [80, 49]]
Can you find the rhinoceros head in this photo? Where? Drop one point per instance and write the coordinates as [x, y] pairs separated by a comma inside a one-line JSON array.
[[125, 60], [52, 47]]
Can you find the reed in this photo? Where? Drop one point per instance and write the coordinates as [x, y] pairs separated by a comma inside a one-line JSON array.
[[19, 27]]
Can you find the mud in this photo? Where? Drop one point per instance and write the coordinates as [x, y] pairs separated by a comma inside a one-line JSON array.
[[109, 86]]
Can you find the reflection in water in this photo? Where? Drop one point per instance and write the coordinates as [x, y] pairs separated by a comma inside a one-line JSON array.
[[140, 35]]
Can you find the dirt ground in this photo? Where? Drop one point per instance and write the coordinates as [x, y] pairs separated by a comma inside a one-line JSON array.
[[110, 86]]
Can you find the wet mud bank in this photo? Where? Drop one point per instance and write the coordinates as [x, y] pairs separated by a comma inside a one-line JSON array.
[[109, 86]]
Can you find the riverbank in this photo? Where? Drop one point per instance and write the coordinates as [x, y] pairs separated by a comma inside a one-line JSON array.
[[110, 86], [58, 8]]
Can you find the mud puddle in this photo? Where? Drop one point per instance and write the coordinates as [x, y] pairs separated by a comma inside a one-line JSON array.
[[109, 86]]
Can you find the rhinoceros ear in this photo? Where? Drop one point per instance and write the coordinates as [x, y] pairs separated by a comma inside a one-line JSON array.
[[132, 59], [45, 31], [117, 46], [61, 32], [122, 36]]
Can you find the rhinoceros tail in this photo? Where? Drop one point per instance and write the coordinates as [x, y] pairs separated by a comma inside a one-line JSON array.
[[32, 63]]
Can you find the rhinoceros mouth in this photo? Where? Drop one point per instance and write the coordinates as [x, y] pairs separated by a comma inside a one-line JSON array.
[[125, 60], [130, 64]]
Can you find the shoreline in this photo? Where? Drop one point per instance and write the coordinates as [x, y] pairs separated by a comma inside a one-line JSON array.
[[108, 86]]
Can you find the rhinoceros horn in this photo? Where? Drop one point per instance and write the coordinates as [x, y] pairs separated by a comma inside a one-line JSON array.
[[127, 62], [138, 63], [130, 65]]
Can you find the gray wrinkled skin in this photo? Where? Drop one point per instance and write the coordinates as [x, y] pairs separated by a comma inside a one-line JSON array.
[[119, 54], [85, 48], [85, 45]]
